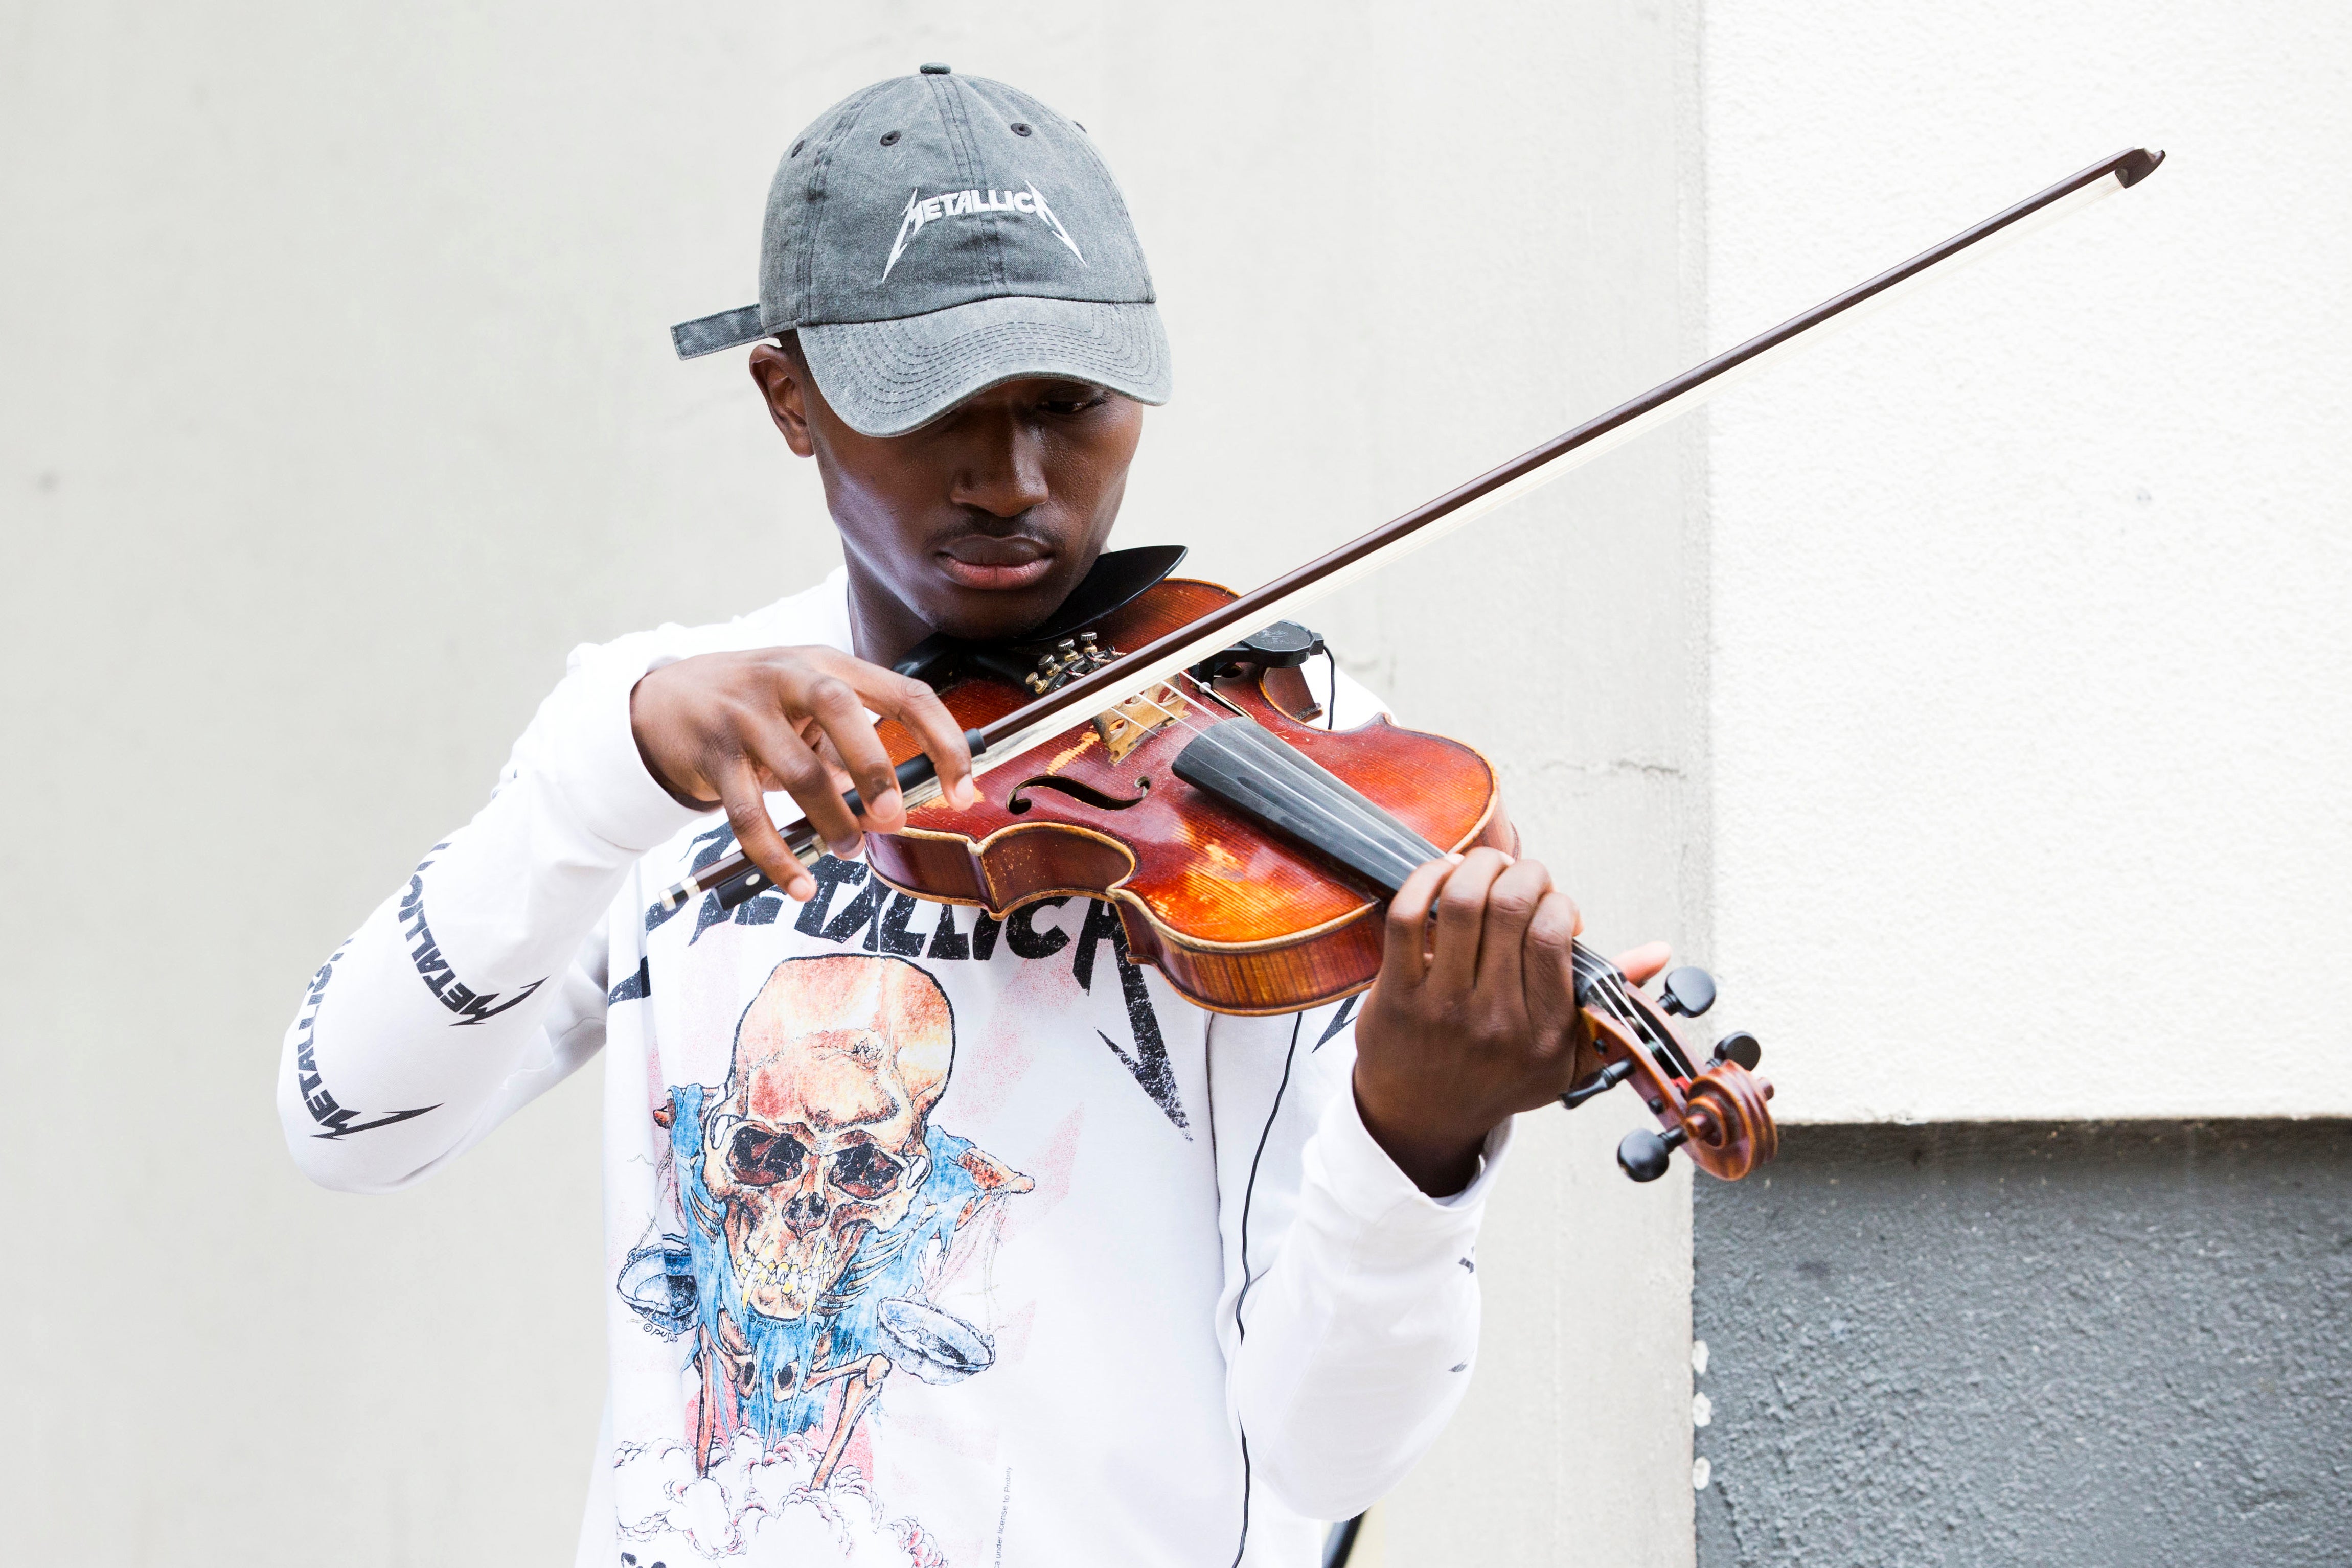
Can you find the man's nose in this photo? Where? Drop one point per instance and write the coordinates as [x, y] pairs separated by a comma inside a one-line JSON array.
[[1003, 470]]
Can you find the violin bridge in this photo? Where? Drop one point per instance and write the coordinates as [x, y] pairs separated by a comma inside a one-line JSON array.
[[1124, 727]]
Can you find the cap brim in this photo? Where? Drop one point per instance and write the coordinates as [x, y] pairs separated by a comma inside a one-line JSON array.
[[886, 377]]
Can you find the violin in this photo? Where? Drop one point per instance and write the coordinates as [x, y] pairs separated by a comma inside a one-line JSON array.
[[1250, 853], [1154, 746]]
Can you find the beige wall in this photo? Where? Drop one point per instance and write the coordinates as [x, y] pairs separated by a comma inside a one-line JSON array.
[[338, 405], [2032, 717]]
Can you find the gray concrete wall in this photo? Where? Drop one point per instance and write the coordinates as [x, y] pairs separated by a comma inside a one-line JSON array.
[[338, 405], [2075, 1345]]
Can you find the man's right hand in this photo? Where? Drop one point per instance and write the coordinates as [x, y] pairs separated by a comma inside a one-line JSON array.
[[725, 729]]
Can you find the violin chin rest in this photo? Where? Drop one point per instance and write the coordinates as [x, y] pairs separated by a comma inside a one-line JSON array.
[[1117, 579]]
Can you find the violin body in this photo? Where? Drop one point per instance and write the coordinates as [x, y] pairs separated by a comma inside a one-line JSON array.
[[1238, 917]]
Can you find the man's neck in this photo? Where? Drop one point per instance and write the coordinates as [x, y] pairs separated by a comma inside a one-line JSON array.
[[881, 628]]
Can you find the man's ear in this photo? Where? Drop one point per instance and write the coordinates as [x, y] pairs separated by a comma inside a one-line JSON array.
[[783, 381]]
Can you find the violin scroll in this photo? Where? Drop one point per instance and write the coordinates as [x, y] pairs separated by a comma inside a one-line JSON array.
[[1719, 1113]]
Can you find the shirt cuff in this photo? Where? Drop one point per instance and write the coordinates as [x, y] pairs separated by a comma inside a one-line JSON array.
[[591, 752], [1365, 1182]]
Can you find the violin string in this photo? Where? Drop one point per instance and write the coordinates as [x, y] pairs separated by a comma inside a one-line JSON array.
[[1612, 984], [1175, 717], [1608, 983], [1612, 1004]]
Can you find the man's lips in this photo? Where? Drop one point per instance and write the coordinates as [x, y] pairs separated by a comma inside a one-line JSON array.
[[984, 560]]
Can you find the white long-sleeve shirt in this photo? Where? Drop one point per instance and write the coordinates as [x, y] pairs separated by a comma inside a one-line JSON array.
[[930, 1239]]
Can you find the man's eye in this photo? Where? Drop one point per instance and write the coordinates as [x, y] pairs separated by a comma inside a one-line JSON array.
[[762, 1158], [862, 1170], [1074, 400]]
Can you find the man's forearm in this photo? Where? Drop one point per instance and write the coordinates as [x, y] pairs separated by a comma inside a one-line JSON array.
[[462, 993], [1358, 1339]]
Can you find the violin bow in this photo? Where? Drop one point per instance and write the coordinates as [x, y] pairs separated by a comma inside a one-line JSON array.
[[1145, 667]]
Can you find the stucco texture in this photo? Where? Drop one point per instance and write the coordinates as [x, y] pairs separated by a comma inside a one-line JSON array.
[[2075, 1346], [2027, 676]]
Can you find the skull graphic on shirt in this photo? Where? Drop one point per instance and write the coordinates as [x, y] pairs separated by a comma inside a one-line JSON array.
[[819, 1135]]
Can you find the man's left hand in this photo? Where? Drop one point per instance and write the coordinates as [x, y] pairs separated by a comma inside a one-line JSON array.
[[1473, 1015]]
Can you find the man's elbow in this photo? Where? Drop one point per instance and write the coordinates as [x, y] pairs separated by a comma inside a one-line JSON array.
[[313, 1158], [1318, 1488], [1335, 1462], [323, 1155]]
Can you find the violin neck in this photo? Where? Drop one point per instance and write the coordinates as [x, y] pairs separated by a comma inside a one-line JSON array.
[[1271, 781], [1257, 773]]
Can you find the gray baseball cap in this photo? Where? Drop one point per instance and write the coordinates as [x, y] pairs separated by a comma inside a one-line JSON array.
[[936, 234]]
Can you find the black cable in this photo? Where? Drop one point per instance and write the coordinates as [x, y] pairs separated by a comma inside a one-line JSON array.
[[1249, 1194]]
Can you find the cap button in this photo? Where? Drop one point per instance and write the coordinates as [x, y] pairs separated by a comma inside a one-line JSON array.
[[935, 70]]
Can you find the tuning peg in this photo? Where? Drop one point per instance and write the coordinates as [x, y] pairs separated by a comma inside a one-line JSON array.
[[1599, 1084], [1688, 991], [1641, 1154], [1741, 1047]]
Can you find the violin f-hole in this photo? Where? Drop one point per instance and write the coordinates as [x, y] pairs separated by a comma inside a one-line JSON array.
[[1019, 801]]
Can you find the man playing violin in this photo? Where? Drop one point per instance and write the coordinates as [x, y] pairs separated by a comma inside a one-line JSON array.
[[930, 1235]]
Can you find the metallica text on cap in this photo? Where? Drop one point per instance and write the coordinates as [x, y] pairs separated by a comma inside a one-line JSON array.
[[922, 209]]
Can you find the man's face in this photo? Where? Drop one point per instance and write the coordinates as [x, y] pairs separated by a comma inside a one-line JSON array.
[[981, 522]]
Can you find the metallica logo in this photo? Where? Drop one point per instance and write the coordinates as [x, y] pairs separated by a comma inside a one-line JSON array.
[[922, 209], [439, 978], [880, 919], [339, 1121]]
